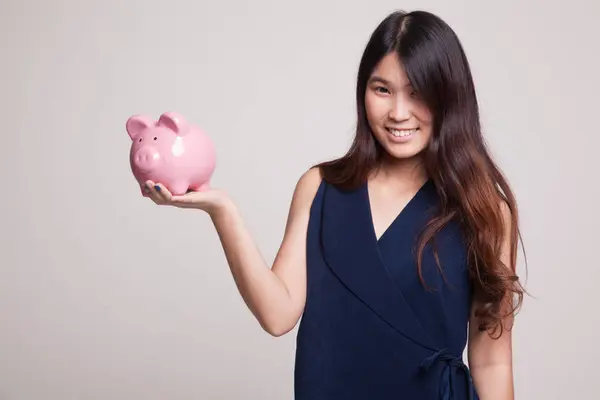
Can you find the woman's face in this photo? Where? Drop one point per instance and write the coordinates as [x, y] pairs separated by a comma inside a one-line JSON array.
[[400, 122]]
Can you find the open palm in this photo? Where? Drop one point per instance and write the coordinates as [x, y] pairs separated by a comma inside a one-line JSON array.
[[207, 200]]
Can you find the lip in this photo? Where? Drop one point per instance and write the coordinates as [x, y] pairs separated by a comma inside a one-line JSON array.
[[400, 129], [401, 139]]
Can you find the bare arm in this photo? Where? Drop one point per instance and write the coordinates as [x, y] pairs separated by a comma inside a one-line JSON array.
[[276, 295], [490, 359]]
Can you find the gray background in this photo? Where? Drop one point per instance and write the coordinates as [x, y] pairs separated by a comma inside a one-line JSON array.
[[104, 295]]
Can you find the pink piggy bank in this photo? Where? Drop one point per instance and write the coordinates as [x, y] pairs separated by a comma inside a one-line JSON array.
[[170, 151]]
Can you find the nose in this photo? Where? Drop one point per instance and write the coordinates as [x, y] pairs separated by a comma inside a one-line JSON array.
[[146, 158], [400, 110]]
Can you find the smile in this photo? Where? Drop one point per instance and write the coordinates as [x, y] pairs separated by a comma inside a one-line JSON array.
[[402, 132]]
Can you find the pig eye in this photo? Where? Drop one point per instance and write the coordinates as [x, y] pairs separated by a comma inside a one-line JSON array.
[[155, 138], [140, 140]]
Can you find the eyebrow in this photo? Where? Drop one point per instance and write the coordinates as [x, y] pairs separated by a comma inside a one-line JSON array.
[[376, 78]]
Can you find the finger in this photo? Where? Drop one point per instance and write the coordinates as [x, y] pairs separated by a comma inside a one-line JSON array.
[[163, 193], [154, 195]]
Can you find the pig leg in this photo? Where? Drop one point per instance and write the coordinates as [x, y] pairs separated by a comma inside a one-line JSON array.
[[179, 187], [201, 188]]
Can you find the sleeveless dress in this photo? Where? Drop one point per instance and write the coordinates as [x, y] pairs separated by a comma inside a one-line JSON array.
[[370, 330]]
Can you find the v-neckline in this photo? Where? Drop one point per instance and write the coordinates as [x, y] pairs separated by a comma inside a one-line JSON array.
[[349, 249], [395, 220]]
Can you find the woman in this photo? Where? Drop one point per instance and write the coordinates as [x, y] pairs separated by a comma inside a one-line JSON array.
[[398, 252]]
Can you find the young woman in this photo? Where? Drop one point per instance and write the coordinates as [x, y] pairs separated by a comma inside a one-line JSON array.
[[402, 251]]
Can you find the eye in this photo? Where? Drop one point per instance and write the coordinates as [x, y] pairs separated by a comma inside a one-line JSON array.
[[155, 138], [140, 140], [381, 89]]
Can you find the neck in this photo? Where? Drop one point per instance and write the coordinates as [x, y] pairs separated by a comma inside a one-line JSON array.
[[403, 172]]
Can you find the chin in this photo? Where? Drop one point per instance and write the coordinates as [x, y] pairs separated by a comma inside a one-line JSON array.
[[405, 150], [404, 154]]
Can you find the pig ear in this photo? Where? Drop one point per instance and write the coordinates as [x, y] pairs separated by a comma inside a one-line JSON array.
[[174, 122], [137, 123]]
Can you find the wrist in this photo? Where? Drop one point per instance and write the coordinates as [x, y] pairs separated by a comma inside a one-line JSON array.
[[221, 209]]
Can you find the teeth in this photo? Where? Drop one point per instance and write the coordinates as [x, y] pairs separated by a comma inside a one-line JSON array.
[[403, 132]]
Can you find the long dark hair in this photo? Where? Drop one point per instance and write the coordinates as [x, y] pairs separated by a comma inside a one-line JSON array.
[[472, 189]]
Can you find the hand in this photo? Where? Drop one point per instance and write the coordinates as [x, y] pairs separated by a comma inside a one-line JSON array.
[[209, 200]]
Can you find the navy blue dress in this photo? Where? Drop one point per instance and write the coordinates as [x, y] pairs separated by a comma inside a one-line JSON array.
[[370, 330]]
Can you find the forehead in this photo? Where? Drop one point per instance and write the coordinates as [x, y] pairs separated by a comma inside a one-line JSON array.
[[390, 70]]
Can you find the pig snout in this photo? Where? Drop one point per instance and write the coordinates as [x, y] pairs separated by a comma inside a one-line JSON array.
[[146, 158]]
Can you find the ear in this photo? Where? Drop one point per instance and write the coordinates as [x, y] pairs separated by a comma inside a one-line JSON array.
[[137, 123], [174, 122]]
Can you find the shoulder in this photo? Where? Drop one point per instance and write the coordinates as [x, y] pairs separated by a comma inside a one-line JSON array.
[[507, 235], [505, 211], [307, 186], [310, 178], [506, 217]]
